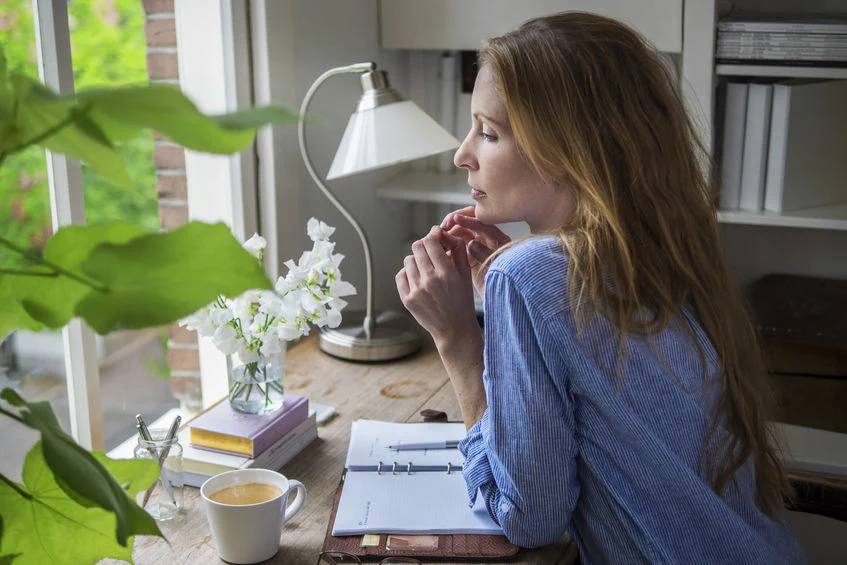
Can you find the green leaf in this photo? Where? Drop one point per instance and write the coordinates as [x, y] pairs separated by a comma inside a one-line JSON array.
[[159, 278], [29, 301], [89, 126], [44, 525], [5, 559], [12, 313], [41, 111], [167, 110], [256, 117], [76, 470]]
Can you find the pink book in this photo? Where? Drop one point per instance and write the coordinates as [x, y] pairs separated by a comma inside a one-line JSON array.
[[223, 429]]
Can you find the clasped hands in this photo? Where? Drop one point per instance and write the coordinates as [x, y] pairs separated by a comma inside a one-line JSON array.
[[437, 279]]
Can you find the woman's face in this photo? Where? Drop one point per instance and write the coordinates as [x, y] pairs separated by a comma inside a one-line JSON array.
[[503, 183]]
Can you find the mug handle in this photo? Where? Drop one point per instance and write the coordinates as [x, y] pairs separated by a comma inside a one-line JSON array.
[[297, 503]]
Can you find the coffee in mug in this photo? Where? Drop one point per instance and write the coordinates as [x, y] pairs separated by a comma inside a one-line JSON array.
[[247, 509], [249, 493]]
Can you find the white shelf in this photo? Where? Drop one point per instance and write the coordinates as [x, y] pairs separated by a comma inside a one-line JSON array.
[[428, 186], [784, 71], [832, 217], [452, 188]]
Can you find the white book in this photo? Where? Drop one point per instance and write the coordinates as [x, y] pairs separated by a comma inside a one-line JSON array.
[[755, 156], [735, 121], [200, 464], [807, 155], [416, 491]]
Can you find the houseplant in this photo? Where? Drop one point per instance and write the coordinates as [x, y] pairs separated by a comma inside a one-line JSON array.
[[251, 329], [73, 503]]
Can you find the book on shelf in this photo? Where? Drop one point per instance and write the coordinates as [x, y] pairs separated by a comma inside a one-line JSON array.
[[410, 491], [774, 40], [223, 429], [772, 23], [732, 147], [790, 53], [201, 464], [807, 163], [755, 153]]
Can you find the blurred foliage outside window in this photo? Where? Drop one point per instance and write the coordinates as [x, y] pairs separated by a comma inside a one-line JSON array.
[[108, 48]]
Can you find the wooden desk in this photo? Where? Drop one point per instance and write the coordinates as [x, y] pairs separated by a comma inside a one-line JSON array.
[[395, 391]]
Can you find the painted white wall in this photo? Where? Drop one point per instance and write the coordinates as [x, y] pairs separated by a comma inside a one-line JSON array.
[[331, 34]]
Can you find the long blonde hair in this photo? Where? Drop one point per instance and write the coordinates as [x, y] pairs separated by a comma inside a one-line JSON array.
[[593, 106]]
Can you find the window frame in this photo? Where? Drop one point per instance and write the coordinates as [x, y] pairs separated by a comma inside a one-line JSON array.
[[214, 61]]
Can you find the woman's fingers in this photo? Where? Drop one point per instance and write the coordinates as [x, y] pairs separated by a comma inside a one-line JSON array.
[[422, 260], [448, 222], [412, 274], [491, 236], [402, 282]]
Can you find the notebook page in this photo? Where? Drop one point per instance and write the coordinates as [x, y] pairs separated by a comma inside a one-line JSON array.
[[420, 503], [369, 441]]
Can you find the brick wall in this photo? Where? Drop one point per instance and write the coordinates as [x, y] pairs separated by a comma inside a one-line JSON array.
[[162, 67]]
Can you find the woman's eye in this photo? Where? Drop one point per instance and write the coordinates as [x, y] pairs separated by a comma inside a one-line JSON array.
[[487, 136]]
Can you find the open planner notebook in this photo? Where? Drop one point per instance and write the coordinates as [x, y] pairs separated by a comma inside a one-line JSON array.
[[409, 491]]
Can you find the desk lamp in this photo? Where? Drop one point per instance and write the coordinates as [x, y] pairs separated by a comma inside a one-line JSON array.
[[385, 129]]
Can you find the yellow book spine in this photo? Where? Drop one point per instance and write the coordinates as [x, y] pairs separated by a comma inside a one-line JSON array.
[[223, 442]]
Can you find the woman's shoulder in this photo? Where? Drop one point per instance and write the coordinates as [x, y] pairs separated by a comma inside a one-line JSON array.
[[538, 261]]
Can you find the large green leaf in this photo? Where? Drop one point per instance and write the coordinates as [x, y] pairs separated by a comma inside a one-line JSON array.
[[44, 525], [159, 278], [165, 109], [12, 314], [41, 110], [78, 472], [33, 300]]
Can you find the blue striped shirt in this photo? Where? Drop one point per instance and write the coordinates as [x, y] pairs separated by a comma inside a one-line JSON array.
[[565, 446]]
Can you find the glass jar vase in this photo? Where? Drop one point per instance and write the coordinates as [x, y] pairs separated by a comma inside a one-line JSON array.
[[163, 500], [256, 387]]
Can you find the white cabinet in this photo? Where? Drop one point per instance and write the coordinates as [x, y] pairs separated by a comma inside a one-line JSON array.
[[465, 24]]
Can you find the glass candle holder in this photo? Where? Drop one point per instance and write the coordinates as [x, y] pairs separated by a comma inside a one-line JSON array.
[[164, 499]]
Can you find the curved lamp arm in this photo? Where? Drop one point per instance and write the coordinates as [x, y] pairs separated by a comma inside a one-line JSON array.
[[301, 137]]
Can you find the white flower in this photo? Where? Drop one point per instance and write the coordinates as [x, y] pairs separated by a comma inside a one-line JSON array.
[[255, 245], [252, 325], [318, 230]]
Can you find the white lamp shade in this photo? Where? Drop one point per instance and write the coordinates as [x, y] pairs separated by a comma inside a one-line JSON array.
[[388, 135]]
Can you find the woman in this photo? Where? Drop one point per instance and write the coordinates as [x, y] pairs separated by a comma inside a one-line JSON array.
[[617, 393]]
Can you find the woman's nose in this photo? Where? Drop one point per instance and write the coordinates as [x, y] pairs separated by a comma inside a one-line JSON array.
[[463, 158]]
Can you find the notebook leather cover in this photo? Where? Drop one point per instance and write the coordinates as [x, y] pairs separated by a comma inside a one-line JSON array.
[[457, 546]]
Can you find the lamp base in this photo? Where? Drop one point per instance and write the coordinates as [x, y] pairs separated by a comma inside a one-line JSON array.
[[394, 336]]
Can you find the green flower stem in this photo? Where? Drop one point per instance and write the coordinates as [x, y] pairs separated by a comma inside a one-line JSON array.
[[58, 270]]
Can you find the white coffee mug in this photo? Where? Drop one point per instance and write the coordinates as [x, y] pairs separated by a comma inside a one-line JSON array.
[[249, 533]]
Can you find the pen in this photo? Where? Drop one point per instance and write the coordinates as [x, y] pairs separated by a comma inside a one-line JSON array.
[[449, 444]]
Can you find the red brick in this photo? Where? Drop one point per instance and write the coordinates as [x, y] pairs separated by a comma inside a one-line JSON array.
[[173, 187], [162, 66], [183, 359], [172, 216], [158, 6], [168, 157], [160, 32], [179, 334]]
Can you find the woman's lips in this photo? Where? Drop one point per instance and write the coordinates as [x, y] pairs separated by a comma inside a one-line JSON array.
[[477, 194]]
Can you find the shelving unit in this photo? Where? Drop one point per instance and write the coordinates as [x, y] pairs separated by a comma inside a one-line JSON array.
[[833, 217], [428, 186], [777, 71]]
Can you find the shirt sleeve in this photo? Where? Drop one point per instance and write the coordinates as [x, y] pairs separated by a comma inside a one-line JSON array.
[[521, 456]]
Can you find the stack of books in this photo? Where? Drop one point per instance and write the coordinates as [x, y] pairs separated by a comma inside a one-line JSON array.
[[221, 439], [783, 145], [773, 40]]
